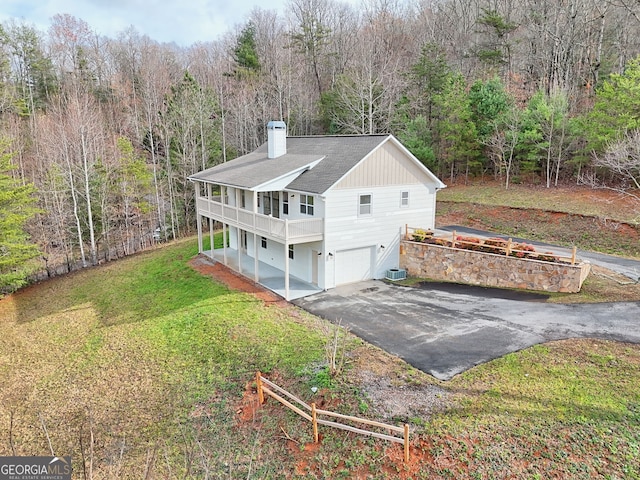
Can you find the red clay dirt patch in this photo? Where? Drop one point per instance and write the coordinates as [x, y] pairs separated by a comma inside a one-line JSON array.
[[234, 281], [247, 408]]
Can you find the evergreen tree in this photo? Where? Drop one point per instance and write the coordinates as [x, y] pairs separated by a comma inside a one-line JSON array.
[[495, 50], [416, 136], [458, 147], [617, 109], [32, 69], [489, 103], [16, 208], [532, 143], [428, 78], [245, 53], [544, 134]]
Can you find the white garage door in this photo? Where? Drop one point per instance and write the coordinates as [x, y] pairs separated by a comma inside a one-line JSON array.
[[354, 265]]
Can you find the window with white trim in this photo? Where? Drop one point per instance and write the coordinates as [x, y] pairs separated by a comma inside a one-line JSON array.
[[404, 199], [291, 251], [306, 204], [285, 203], [365, 204], [263, 242]]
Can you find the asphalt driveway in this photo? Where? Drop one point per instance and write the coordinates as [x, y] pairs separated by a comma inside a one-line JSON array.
[[446, 329]]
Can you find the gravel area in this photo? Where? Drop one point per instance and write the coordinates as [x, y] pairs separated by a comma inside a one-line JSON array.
[[404, 401]]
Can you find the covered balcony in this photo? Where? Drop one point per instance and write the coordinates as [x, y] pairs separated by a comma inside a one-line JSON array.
[[282, 230]]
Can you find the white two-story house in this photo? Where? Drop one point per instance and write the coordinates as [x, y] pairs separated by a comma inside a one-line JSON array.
[[317, 210]]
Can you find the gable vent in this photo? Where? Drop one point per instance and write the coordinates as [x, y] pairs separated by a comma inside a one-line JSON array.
[[276, 138]]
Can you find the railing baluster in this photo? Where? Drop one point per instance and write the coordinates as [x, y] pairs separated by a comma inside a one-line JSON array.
[[276, 227]]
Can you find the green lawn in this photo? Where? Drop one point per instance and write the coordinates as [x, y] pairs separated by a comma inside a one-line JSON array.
[[143, 368], [125, 353]]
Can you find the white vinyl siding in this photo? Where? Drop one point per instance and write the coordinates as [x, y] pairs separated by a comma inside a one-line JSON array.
[[347, 230]]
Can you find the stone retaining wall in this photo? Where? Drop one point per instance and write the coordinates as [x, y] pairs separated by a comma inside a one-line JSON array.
[[477, 268]]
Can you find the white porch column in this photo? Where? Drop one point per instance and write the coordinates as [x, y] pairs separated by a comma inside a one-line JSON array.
[[199, 223], [224, 243], [286, 270], [239, 250], [211, 242], [256, 275]]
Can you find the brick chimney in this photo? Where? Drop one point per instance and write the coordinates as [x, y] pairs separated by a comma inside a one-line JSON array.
[[276, 139]]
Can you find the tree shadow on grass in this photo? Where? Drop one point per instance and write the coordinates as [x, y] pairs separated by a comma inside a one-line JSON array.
[[134, 289]]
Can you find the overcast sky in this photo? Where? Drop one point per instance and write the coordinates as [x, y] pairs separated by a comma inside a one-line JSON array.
[[184, 22]]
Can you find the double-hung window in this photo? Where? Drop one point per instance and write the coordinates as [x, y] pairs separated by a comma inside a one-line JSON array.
[[306, 204], [365, 204], [404, 199], [285, 203]]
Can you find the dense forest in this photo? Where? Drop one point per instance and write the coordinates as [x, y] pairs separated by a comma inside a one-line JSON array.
[[98, 135]]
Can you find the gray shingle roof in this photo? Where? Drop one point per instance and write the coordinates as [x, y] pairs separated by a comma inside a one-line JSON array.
[[339, 154], [254, 169], [342, 153]]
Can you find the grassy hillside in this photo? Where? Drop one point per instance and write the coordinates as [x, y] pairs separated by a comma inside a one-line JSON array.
[[596, 220], [143, 368], [599, 203], [114, 361]]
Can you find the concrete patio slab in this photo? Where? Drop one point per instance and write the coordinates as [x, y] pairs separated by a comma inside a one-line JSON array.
[[268, 276]]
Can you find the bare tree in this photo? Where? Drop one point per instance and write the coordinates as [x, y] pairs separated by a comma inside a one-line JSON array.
[[622, 161], [502, 145]]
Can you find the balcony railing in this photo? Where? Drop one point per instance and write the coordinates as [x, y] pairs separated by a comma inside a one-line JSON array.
[[292, 231]]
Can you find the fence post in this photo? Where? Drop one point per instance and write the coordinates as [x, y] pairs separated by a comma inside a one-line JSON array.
[[508, 250], [314, 420], [453, 239], [259, 387], [406, 231], [573, 255], [406, 443]]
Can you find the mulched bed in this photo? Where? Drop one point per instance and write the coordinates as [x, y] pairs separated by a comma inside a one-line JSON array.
[[234, 281]]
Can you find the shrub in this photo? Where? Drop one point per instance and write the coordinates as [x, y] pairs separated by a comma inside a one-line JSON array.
[[420, 235]]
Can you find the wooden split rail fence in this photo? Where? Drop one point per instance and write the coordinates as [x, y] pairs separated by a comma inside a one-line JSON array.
[[311, 413]]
